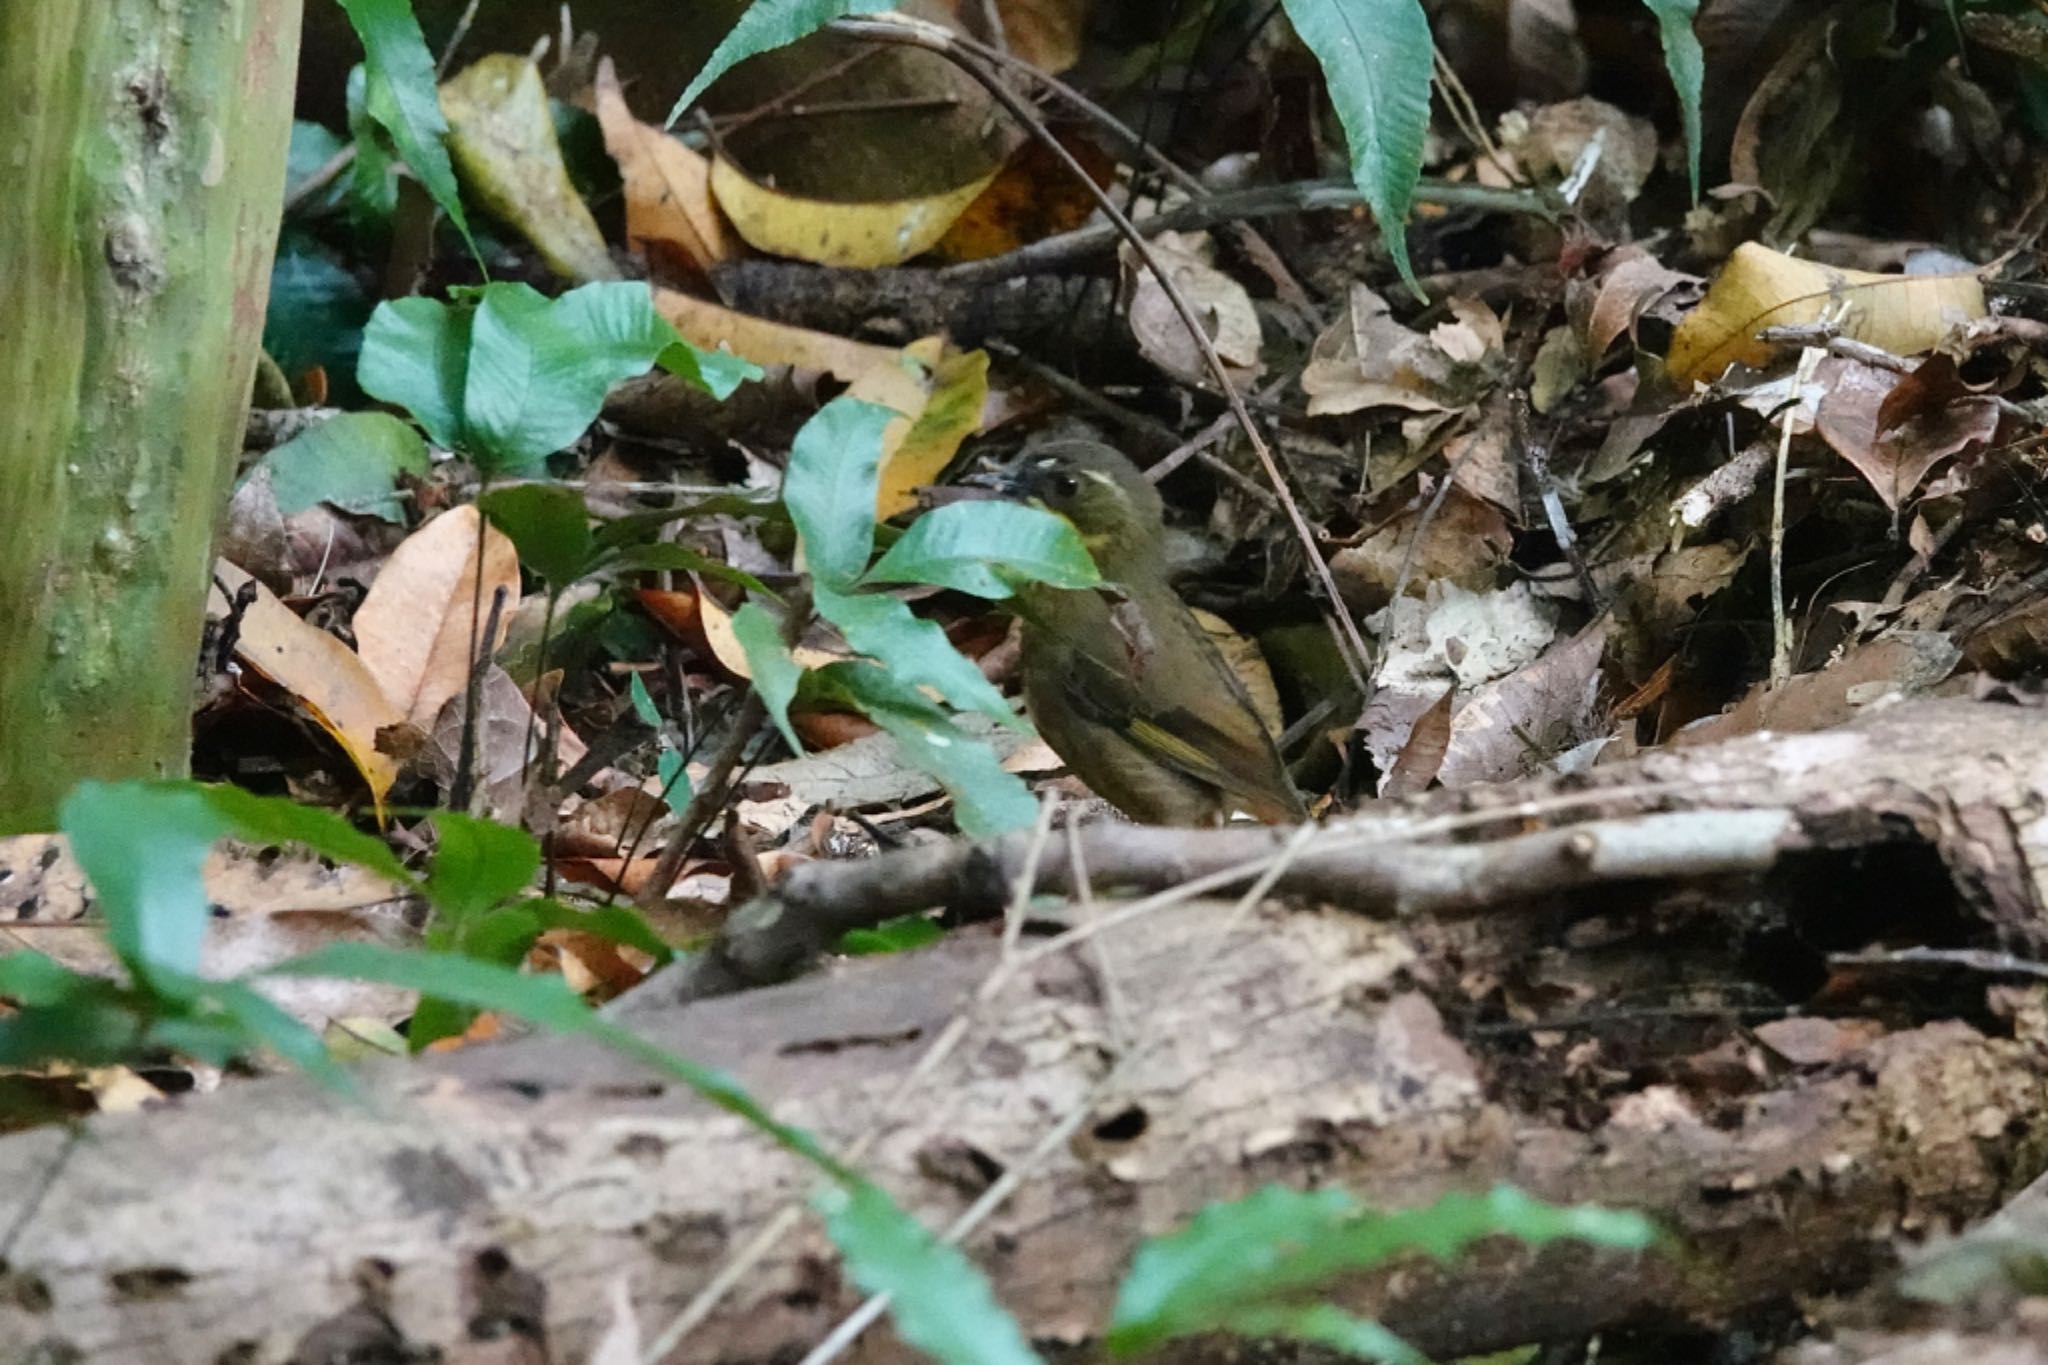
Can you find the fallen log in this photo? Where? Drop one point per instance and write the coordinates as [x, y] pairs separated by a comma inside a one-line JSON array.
[[1667, 1038]]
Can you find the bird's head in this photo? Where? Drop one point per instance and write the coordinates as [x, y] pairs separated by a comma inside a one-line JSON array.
[[1108, 500]]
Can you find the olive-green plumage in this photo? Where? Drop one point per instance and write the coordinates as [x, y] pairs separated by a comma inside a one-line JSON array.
[[1121, 680]]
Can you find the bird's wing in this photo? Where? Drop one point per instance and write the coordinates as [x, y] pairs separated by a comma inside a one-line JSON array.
[[1116, 681]]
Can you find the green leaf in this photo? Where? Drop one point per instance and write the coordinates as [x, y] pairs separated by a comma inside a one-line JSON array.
[[416, 354], [259, 1019], [549, 526], [676, 787], [350, 460], [89, 1028], [478, 864], [767, 25], [1325, 1325], [539, 369], [829, 488], [682, 559], [643, 703], [984, 547], [142, 844], [373, 179], [718, 373], [940, 1301], [316, 313], [402, 98], [775, 671], [1245, 1260], [280, 820], [891, 936], [548, 1002], [34, 980], [986, 800], [1375, 56], [1687, 63], [915, 651]]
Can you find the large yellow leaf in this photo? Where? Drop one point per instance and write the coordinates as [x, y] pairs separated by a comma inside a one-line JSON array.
[[940, 397], [1760, 288], [830, 232]]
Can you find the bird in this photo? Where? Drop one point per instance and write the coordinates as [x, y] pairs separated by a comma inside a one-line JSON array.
[[1121, 679]]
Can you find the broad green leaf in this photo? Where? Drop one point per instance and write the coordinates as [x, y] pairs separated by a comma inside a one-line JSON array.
[[1271, 1250], [350, 460], [775, 671], [718, 373], [891, 936], [88, 1028], [1326, 1325], [676, 787], [829, 488], [546, 1001], [33, 980], [259, 1019], [279, 820], [416, 354], [478, 864], [142, 844], [549, 526], [373, 179], [313, 146], [1687, 63], [316, 313], [767, 25], [401, 96], [986, 800], [539, 369], [915, 651], [1376, 60], [983, 547], [940, 1301]]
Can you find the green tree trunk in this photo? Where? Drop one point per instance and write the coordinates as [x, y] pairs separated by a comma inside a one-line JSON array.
[[143, 144]]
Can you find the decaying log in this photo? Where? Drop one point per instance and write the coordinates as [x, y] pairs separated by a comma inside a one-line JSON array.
[[1559, 1042]]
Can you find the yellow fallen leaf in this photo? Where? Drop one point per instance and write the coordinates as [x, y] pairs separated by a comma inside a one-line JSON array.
[[725, 645], [341, 695], [1760, 288], [862, 236], [710, 325], [417, 627], [941, 398], [501, 136]]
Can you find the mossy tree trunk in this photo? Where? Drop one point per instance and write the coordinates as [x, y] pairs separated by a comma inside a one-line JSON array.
[[144, 144]]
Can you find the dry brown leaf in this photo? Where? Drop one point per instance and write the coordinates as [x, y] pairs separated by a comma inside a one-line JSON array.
[[1045, 33], [1759, 288], [1896, 665], [1422, 757], [1627, 289], [1520, 723], [858, 236], [1894, 458], [669, 212], [417, 629], [343, 696], [1220, 304], [1368, 360], [1465, 543], [1242, 653], [1032, 197]]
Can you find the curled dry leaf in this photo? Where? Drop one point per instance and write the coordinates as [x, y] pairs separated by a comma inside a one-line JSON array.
[[1368, 360], [670, 215], [1894, 444], [1631, 283], [341, 694], [1219, 302], [1759, 288], [1422, 757], [416, 630], [501, 136]]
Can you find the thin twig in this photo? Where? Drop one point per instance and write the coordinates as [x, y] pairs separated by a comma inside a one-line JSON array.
[[705, 802]]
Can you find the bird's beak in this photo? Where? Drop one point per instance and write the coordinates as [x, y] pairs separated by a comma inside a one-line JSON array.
[[994, 481]]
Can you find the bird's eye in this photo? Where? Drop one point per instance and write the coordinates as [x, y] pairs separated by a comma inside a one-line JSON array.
[[1065, 485]]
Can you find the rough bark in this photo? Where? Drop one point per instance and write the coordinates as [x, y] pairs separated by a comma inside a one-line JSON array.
[[145, 153], [1555, 1042]]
